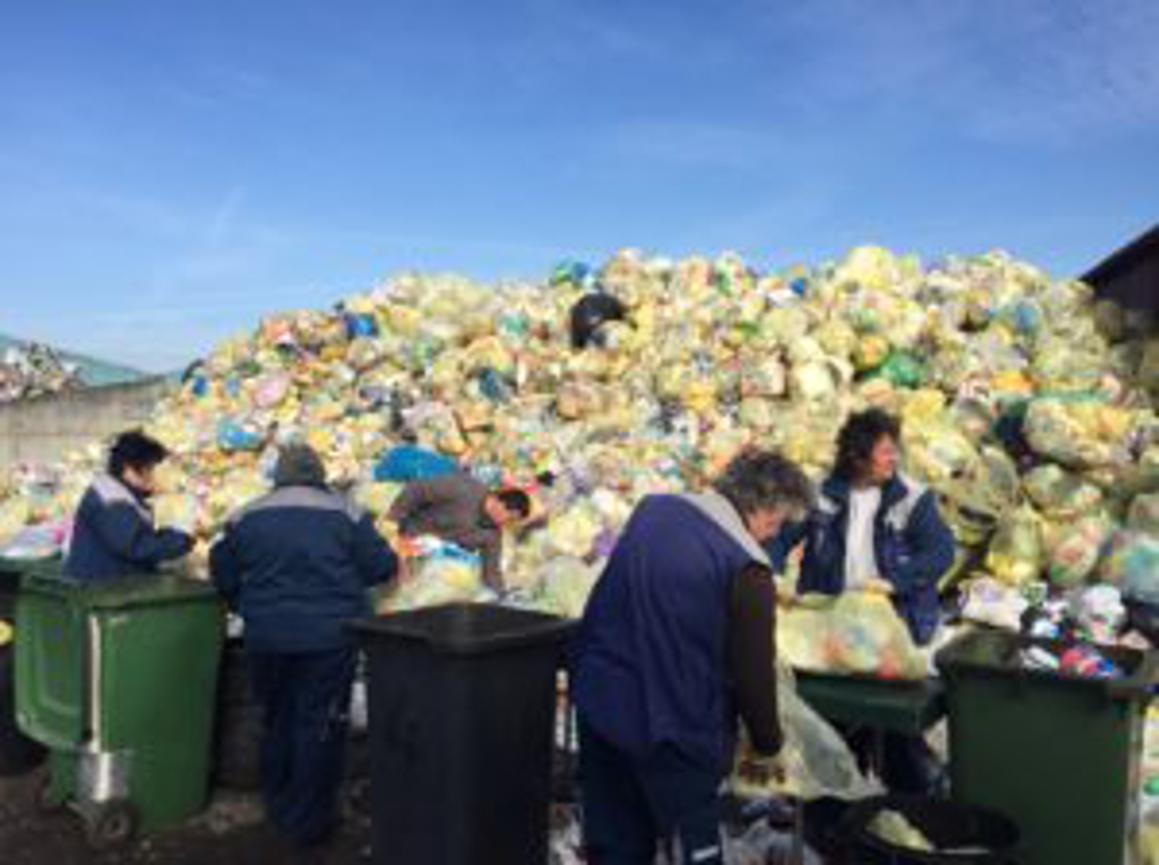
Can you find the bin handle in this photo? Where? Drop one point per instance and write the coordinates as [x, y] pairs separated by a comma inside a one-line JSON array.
[[1140, 683]]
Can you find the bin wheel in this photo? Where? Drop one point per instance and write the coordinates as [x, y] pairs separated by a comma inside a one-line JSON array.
[[111, 824]]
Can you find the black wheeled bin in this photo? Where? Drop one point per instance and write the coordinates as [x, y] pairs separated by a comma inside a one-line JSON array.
[[462, 708], [961, 834]]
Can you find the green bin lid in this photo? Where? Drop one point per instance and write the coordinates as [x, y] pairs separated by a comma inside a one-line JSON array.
[[19, 567], [122, 593], [992, 653]]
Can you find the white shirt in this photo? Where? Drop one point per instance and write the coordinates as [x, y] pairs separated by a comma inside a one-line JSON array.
[[860, 561]]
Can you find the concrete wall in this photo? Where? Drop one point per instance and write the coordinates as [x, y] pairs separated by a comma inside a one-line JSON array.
[[46, 428]]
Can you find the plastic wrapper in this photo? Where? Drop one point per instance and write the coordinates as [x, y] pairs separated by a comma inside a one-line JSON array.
[[856, 633], [1132, 564], [1099, 612], [36, 542], [15, 514], [1075, 556], [815, 759], [986, 601], [1060, 494], [1016, 555], [1080, 432], [438, 572], [409, 463], [895, 829], [564, 586]]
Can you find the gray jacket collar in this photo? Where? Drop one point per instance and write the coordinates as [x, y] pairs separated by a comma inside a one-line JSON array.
[[111, 489], [720, 510]]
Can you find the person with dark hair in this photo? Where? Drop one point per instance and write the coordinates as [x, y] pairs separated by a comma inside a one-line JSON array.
[[114, 531], [296, 564], [678, 640], [464, 511], [874, 527]]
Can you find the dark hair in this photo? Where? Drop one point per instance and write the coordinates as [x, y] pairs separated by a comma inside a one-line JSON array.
[[516, 501], [859, 436], [758, 479], [591, 312], [137, 450], [299, 465]]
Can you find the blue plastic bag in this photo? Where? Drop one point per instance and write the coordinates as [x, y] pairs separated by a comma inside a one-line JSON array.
[[412, 463], [233, 436], [361, 325]]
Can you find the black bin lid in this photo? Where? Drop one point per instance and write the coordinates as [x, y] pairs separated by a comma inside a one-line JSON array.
[[469, 629]]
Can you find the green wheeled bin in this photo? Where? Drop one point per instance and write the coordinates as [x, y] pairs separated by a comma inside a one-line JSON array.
[[1058, 754], [119, 680]]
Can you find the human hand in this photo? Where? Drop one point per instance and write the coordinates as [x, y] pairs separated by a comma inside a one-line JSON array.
[[878, 586], [761, 770]]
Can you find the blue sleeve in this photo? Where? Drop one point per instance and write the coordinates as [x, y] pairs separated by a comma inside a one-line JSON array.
[[225, 569], [130, 536], [779, 548], [376, 561], [931, 545]]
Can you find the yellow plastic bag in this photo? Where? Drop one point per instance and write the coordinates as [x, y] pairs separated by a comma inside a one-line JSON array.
[[1079, 433], [1016, 554], [856, 633], [816, 761]]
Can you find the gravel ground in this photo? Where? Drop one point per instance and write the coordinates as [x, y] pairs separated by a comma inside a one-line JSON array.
[[230, 832]]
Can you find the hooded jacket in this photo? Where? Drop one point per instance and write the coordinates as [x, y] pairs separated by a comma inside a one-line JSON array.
[[296, 565], [114, 535], [912, 545], [653, 662]]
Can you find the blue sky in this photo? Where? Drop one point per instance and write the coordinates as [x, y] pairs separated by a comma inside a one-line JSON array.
[[171, 171]]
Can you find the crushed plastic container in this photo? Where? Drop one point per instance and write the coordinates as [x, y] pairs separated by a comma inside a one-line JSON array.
[[462, 705]]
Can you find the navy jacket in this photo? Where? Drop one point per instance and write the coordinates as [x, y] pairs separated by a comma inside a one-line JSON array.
[[296, 565], [114, 535], [912, 545], [650, 663]]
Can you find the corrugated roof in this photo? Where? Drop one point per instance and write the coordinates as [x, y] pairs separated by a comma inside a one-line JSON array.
[[94, 372], [1130, 275]]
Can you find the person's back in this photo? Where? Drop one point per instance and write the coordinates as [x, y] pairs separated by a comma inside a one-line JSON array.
[[305, 562], [296, 564], [675, 648], [651, 658]]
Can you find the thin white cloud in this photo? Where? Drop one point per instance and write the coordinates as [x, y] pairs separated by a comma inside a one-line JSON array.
[[224, 216], [1038, 70]]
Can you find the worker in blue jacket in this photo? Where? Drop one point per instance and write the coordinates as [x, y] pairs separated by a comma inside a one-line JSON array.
[[873, 528], [296, 564], [676, 645], [114, 532]]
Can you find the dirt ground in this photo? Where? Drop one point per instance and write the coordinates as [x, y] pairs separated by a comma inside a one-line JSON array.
[[230, 832]]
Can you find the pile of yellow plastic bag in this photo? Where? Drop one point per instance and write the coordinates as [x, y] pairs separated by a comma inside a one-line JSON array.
[[1026, 403]]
